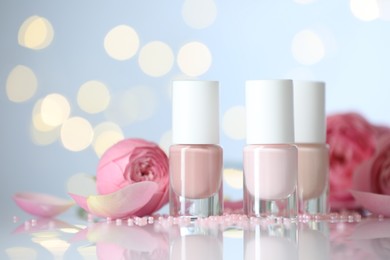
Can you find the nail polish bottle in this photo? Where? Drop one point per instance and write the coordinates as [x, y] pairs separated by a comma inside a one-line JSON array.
[[313, 153], [195, 157], [270, 156]]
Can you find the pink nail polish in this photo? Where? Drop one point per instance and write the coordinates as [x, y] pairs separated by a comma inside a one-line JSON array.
[[270, 158], [313, 153], [195, 158]]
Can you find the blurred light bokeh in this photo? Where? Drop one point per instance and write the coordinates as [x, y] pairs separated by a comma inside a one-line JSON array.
[[78, 76]]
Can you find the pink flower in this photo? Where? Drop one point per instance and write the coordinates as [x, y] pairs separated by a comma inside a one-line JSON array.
[[132, 180], [352, 140], [131, 161], [379, 167], [371, 184], [41, 204]]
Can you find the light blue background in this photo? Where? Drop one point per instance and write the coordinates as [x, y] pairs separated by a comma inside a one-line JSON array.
[[248, 40]]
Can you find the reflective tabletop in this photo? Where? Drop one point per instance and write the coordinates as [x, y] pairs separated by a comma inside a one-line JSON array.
[[77, 236]]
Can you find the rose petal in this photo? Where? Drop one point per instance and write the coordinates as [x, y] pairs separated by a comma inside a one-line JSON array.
[[123, 202], [80, 200], [41, 205], [110, 178], [121, 149], [362, 178], [156, 202], [375, 203]]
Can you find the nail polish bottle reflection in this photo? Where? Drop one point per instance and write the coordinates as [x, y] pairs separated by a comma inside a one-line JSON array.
[[270, 158], [195, 158], [271, 242], [314, 241], [310, 139], [197, 243]]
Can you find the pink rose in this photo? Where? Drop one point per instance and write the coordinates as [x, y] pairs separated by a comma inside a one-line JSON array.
[[131, 161], [132, 180], [374, 174], [352, 140], [380, 167], [371, 180]]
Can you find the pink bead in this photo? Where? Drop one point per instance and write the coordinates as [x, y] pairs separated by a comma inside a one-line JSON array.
[[26, 225], [358, 217], [143, 222], [15, 219]]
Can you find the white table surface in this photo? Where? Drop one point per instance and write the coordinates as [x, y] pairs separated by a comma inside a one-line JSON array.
[[73, 237]]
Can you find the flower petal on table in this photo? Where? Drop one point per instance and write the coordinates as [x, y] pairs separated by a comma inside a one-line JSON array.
[[41, 205], [80, 200], [124, 202], [375, 203]]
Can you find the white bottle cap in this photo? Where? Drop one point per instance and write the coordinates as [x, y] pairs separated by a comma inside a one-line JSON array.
[[269, 112], [195, 112], [309, 112]]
